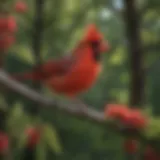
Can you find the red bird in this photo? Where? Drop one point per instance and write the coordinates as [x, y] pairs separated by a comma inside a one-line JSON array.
[[74, 74]]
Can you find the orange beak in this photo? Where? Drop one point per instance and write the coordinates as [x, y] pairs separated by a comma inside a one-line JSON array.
[[104, 47]]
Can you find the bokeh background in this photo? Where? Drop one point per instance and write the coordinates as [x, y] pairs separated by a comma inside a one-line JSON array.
[[66, 137]]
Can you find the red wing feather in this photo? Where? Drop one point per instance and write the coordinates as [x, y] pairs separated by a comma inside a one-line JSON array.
[[51, 68], [56, 67]]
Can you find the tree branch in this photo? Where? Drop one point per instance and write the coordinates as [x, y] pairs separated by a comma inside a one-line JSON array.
[[74, 109]]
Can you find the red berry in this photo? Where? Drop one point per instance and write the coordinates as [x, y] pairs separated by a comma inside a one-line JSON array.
[[6, 41], [3, 143], [12, 25], [136, 120], [33, 136], [116, 111], [21, 7], [7, 24], [130, 146]]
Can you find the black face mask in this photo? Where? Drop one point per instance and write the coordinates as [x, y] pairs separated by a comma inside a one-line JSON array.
[[96, 52]]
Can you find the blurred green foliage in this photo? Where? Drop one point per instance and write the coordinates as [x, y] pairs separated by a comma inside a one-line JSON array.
[[64, 24]]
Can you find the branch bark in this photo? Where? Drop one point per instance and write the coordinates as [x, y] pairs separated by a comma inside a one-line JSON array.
[[74, 109]]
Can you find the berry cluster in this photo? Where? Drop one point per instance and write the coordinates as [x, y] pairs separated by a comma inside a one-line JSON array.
[[131, 147], [8, 27], [129, 118]]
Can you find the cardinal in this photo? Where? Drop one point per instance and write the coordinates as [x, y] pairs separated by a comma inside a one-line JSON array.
[[74, 74]]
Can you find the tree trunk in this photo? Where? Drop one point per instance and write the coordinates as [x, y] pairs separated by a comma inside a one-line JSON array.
[[137, 80]]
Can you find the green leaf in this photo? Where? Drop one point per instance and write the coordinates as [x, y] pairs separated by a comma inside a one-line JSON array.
[[52, 138], [21, 141], [41, 150], [118, 57], [153, 128], [24, 53], [17, 120]]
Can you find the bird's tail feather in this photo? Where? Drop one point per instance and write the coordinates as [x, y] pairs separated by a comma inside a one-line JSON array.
[[27, 76]]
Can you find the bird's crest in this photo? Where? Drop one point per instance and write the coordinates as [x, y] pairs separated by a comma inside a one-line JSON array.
[[92, 33]]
